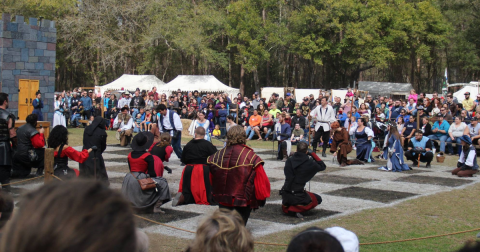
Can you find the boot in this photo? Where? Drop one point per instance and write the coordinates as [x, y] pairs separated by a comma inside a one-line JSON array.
[[324, 154], [178, 200], [157, 209]]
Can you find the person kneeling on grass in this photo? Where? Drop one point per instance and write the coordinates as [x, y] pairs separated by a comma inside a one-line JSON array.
[[467, 163], [299, 169]]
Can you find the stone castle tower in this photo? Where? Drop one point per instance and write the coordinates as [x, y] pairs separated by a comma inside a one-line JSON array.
[[27, 55]]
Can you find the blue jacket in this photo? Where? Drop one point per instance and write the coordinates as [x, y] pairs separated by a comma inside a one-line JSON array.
[[445, 126], [286, 130], [87, 102]]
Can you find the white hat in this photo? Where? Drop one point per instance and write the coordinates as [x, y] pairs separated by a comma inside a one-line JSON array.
[[348, 239]]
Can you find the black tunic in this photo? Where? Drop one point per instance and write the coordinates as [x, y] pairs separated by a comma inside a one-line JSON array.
[[95, 135], [197, 151], [299, 169]]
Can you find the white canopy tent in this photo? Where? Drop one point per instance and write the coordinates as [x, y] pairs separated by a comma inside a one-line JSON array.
[[460, 94], [300, 93], [266, 92], [131, 82], [201, 83]]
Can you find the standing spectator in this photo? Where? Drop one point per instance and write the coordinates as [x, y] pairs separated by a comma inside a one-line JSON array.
[[222, 118], [125, 101], [305, 107], [273, 111], [408, 130], [136, 103], [413, 95], [290, 103], [58, 116], [336, 106], [87, 105], [440, 132], [37, 104], [255, 101], [284, 133]]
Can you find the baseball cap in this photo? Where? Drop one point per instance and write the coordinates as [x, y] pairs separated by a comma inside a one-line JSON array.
[[288, 94], [467, 93]]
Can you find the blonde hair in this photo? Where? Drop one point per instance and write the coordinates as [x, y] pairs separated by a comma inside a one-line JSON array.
[[165, 139], [223, 231], [236, 135]]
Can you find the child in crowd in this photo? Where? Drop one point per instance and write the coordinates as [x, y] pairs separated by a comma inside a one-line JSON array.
[[138, 123], [216, 131], [145, 125], [90, 120]]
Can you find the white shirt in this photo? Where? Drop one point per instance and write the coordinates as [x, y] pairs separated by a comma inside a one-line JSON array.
[[123, 102], [457, 130], [122, 125], [469, 160], [368, 131], [168, 125], [195, 125], [324, 116]]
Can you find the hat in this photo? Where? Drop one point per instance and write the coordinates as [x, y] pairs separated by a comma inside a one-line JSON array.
[[305, 99], [466, 139], [142, 141], [127, 93], [313, 126], [335, 125], [124, 108], [276, 95], [256, 93], [247, 103], [440, 115], [90, 91], [137, 89], [420, 107], [204, 95], [467, 93], [288, 94], [348, 239]]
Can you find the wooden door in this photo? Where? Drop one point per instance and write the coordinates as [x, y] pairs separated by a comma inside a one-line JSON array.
[[26, 94]]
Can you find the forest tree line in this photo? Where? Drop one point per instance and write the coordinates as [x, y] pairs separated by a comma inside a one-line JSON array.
[[249, 44]]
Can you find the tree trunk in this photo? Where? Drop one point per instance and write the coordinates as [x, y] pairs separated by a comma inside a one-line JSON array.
[[242, 85], [256, 81]]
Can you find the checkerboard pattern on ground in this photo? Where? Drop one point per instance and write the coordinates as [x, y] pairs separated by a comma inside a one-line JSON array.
[[344, 191]]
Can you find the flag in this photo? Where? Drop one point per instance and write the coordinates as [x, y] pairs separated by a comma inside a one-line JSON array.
[[445, 83]]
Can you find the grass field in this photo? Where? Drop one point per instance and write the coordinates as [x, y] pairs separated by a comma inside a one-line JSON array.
[[441, 213]]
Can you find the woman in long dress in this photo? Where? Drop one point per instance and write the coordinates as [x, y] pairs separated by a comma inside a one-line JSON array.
[[394, 151], [95, 135], [37, 104], [144, 165], [200, 122], [58, 117], [364, 143]]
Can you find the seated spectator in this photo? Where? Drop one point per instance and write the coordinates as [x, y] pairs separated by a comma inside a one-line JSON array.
[[465, 117], [144, 165], [87, 216], [297, 135], [184, 114], [266, 124], [419, 146], [6, 209], [425, 126], [223, 231], [474, 130], [341, 116], [467, 163], [254, 125], [30, 149], [314, 239], [124, 124], [137, 123], [216, 131], [440, 131], [455, 131]]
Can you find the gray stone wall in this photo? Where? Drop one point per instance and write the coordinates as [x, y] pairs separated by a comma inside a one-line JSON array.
[[28, 51]]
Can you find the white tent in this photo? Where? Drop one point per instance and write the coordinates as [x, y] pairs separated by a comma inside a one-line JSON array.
[[300, 93], [131, 82], [460, 94], [266, 92], [201, 83]]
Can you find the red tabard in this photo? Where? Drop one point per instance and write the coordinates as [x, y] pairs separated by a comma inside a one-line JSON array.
[[300, 208], [233, 175], [138, 164]]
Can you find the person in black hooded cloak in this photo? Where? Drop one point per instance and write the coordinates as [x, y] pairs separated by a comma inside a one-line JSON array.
[[95, 135]]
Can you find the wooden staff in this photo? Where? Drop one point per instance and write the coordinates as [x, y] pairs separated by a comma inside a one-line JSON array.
[[48, 164], [308, 126]]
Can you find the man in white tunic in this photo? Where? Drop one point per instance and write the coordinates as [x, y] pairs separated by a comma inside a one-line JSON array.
[[324, 115], [124, 124], [170, 122]]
